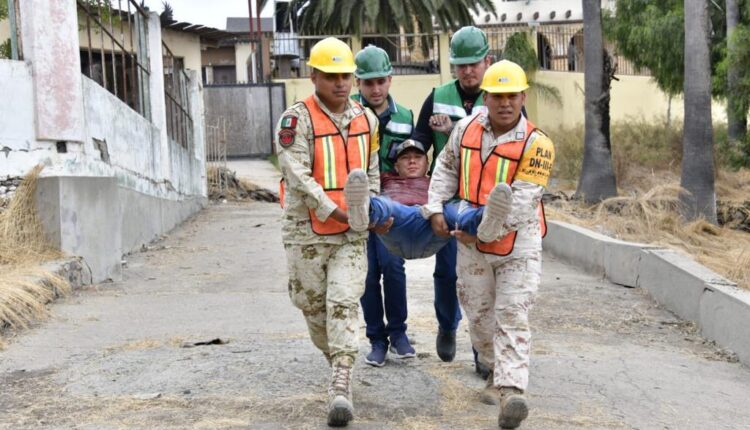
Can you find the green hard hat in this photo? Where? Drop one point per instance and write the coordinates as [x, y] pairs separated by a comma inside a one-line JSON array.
[[372, 62], [468, 45]]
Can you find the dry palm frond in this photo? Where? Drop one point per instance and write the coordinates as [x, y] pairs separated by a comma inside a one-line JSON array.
[[25, 286], [22, 237], [24, 293]]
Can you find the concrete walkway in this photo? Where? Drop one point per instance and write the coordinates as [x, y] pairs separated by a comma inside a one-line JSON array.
[[260, 172], [123, 355]]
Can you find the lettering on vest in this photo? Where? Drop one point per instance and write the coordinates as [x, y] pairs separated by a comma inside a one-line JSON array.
[[478, 177]]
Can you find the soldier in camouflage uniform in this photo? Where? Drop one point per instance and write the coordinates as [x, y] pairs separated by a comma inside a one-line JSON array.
[[499, 269], [317, 142]]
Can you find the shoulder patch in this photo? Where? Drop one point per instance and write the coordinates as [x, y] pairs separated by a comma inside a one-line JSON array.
[[286, 137], [537, 161], [289, 122]]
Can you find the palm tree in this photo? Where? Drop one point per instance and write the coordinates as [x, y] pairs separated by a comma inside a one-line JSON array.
[[697, 176], [384, 16], [597, 181]]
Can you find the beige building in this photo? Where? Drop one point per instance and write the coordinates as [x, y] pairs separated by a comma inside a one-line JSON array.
[[235, 58]]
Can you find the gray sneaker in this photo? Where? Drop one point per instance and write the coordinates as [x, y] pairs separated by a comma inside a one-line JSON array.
[[495, 212], [357, 197], [513, 408], [340, 407]]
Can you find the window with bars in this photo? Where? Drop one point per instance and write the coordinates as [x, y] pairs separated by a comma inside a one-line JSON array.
[[113, 49]]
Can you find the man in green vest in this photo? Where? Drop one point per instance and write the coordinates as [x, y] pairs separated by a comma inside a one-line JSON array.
[[446, 105], [373, 75]]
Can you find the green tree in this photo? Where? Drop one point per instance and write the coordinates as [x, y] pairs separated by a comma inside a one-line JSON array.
[[697, 176], [737, 105], [648, 32], [597, 180], [518, 49], [5, 51], [384, 16]]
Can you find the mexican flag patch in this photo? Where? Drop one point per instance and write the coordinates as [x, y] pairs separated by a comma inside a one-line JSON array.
[[289, 121]]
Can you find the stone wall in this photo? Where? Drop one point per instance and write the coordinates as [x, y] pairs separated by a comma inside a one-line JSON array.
[[8, 185]]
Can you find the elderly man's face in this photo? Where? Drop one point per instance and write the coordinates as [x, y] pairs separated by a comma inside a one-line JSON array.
[[412, 163]]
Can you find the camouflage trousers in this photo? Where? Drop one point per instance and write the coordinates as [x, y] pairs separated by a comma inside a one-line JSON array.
[[497, 294], [325, 283]]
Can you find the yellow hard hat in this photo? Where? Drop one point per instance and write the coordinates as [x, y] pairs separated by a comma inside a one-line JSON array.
[[504, 77], [331, 55]]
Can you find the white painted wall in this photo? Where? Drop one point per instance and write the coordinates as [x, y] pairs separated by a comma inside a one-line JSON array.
[[45, 106], [133, 143]]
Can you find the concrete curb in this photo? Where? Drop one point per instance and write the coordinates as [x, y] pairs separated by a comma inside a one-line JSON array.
[[690, 290]]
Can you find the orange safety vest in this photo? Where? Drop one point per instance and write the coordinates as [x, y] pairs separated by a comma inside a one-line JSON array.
[[476, 178], [334, 158]]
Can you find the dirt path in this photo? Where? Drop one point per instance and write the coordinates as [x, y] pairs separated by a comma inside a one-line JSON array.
[[113, 356]]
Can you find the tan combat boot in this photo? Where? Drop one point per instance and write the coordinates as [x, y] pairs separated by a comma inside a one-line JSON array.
[[340, 407], [513, 408], [490, 395]]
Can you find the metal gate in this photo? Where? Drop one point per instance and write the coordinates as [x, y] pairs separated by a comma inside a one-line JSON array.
[[251, 112]]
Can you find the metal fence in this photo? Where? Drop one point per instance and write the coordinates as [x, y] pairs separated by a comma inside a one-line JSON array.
[[290, 52], [177, 99], [251, 112], [410, 54], [497, 38], [216, 154], [113, 49], [560, 49]]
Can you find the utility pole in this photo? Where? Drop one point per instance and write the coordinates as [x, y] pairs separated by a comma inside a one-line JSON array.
[[262, 77]]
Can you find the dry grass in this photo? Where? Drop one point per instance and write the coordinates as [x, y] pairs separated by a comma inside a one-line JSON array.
[[22, 238], [648, 214], [25, 287], [646, 159], [653, 147]]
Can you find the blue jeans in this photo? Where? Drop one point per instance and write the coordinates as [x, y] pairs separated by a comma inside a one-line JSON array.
[[380, 262], [411, 237]]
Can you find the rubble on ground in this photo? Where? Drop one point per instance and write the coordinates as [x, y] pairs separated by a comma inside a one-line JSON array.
[[223, 184]]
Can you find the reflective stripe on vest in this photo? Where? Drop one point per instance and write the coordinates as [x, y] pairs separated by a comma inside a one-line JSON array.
[[395, 131], [333, 159], [446, 100], [397, 128], [477, 178]]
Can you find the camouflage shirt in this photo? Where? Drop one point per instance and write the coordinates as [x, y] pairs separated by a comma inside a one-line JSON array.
[[528, 184], [301, 189]]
